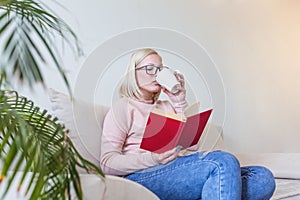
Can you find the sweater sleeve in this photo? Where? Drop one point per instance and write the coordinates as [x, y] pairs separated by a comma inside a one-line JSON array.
[[113, 161]]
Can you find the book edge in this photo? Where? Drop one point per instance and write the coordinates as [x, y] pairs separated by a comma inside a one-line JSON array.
[[169, 115]]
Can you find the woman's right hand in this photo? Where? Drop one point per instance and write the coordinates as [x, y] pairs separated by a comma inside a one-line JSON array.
[[164, 158]]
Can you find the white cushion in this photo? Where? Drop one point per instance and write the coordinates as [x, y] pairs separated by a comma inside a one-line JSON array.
[[211, 138], [84, 121]]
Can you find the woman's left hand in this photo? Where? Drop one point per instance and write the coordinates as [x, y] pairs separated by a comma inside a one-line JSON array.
[[180, 95]]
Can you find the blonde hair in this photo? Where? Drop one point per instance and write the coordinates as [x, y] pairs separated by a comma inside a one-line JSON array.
[[129, 87]]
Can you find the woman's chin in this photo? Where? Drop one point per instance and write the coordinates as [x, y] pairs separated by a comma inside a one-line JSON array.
[[156, 89]]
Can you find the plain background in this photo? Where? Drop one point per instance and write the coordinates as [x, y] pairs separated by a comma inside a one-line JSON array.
[[254, 45]]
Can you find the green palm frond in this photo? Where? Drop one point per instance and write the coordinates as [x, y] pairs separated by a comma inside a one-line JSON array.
[[32, 139], [28, 34]]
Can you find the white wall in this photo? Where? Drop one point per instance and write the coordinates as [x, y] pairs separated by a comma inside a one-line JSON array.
[[250, 48]]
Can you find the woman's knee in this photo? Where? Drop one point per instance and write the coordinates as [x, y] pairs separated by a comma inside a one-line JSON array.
[[258, 182], [258, 172], [224, 160]]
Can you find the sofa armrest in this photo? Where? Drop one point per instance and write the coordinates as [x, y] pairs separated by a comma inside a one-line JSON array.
[[283, 165], [93, 187], [113, 187]]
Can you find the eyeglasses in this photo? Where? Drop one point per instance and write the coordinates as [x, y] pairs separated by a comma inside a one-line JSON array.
[[152, 69]]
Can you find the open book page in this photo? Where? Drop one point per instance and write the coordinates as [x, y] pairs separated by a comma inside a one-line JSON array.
[[192, 109], [169, 114]]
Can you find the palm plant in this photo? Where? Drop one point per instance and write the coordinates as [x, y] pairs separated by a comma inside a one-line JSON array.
[[30, 138]]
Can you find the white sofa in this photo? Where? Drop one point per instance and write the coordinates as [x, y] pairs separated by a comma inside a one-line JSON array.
[[84, 120], [85, 123]]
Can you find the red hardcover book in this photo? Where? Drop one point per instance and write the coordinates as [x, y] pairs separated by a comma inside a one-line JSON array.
[[164, 131]]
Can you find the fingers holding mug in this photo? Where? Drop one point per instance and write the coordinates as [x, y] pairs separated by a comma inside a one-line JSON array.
[[180, 78]]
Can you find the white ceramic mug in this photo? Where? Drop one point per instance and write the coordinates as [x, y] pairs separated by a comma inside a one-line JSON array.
[[167, 79]]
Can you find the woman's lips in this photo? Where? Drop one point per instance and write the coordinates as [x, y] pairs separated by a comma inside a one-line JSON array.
[[155, 83]]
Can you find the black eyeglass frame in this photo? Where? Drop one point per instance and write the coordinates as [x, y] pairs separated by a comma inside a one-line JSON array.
[[156, 70]]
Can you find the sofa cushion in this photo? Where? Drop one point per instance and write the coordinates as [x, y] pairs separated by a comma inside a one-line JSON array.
[[84, 121]]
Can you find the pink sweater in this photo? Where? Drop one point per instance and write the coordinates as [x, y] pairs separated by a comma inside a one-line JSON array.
[[123, 130]]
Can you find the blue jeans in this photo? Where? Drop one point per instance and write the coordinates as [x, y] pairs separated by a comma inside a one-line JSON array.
[[215, 175]]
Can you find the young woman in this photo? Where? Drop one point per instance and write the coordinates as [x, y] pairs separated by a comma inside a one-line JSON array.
[[214, 175]]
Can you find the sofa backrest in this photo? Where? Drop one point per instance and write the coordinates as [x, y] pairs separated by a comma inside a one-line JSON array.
[[84, 121]]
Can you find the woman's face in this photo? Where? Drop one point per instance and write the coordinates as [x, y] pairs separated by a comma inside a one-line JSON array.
[[146, 82]]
